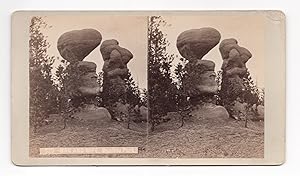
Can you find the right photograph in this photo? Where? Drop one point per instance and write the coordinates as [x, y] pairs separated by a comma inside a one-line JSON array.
[[206, 86]]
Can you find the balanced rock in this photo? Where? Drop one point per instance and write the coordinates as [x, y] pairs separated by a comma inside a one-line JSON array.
[[195, 43], [77, 44]]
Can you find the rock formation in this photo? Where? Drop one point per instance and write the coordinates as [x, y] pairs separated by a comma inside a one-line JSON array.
[[199, 82], [193, 45], [115, 71], [114, 68], [234, 58], [74, 46], [234, 69], [77, 44]]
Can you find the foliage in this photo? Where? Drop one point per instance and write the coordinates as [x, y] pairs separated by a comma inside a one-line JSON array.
[[160, 84], [133, 94], [42, 89]]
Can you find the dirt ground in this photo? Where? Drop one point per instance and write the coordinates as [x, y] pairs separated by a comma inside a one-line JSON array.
[[198, 138]]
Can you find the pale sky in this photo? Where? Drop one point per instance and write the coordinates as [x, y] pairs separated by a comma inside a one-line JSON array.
[[248, 29], [130, 31]]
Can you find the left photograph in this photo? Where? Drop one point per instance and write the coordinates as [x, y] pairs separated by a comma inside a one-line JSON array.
[[88, 86]]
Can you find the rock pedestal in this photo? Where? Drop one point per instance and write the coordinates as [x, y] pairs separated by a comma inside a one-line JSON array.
[[199, 82], [193, 44], [115, 71], [234, 69], [74, 46], [114, 68]]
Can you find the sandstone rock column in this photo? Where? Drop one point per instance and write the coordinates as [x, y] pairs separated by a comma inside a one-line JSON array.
[[115, 71], [199, 82], [234, 69], [74, 46]]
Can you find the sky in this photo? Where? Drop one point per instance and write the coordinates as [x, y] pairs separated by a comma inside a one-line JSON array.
[[248, 29], [131, 32]]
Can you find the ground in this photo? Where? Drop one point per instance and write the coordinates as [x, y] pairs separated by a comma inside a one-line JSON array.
[[203, 137]]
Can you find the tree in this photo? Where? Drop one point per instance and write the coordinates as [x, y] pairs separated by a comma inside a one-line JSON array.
[[133, 94], [42, 89], [183, 102], [160, 85]]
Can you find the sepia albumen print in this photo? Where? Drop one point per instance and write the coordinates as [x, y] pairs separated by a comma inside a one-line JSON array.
[[169, 86]]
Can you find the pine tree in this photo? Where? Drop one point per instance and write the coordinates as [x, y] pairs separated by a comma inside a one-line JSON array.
[[160, 84], [183, 104], [41, 101], [132, 91]]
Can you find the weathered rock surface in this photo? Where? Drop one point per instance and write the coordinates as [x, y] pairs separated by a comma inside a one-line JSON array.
[[77, 44], [234, 58], [201, 79], [98, 113], [195, 43], [115, 71], [210, 110], [199, 82], [87, 83], [234, 70]]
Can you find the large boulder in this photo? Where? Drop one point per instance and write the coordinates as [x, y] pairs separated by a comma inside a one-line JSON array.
[[195, 43], [210, 111], [77, 44], [98, 113]]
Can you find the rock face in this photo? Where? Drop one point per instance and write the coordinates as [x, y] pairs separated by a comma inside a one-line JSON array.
[[195, 43], [77, 44], [74, 46], [234, 69], [115, 71]]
